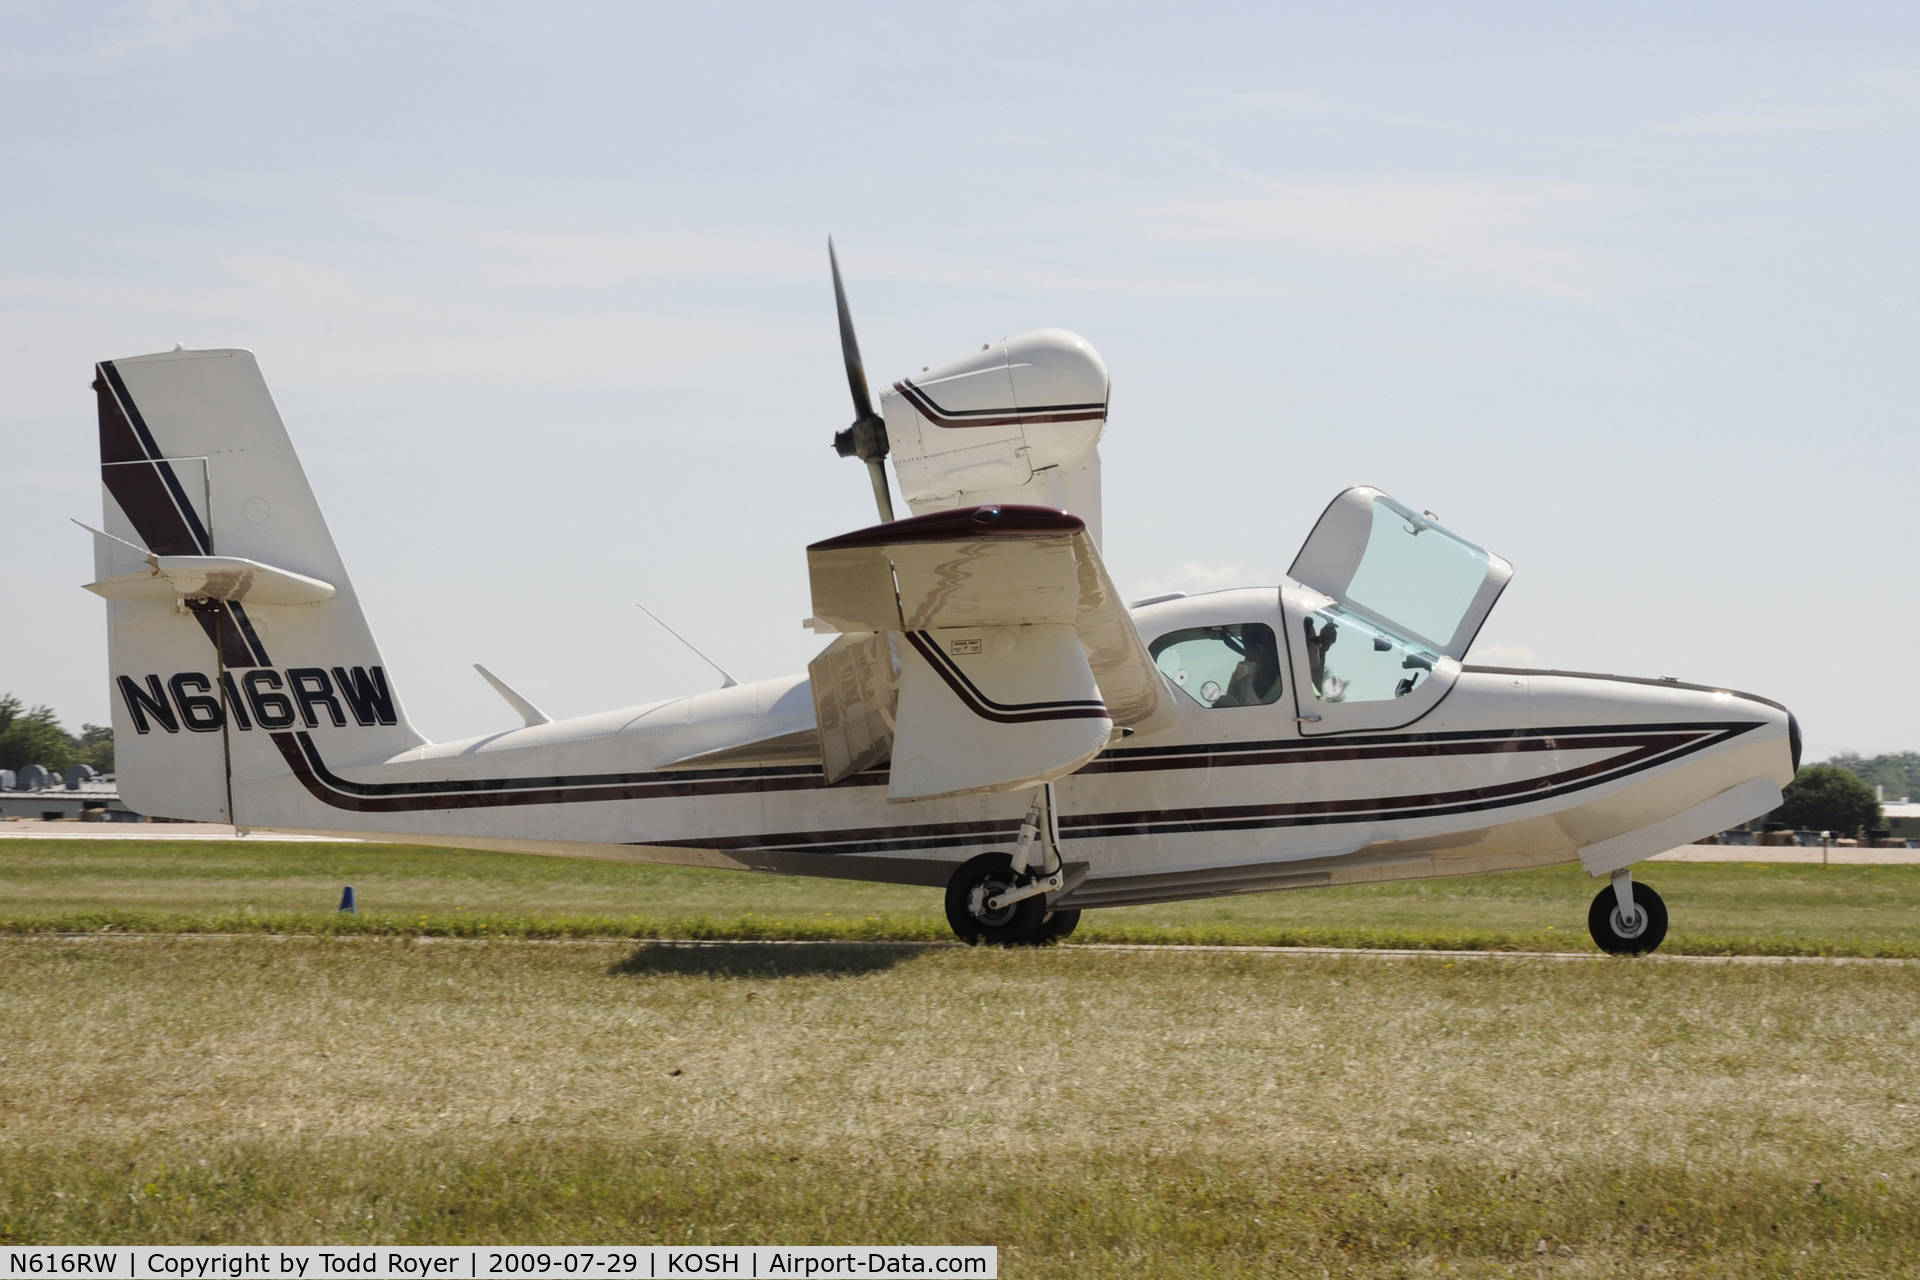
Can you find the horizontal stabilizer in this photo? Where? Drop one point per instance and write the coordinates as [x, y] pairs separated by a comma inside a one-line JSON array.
[[214, 578]]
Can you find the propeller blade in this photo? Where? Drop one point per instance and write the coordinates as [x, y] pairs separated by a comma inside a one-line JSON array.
[[849, 344], [866, 439], [877, 472]]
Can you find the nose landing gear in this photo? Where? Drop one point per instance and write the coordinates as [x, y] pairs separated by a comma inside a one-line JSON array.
[[1627, 918]]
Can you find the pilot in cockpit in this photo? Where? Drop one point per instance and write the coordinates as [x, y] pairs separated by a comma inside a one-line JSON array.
[[1256, 680]]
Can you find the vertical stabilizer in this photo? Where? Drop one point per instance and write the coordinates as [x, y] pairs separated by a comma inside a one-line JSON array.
[[218, 679]]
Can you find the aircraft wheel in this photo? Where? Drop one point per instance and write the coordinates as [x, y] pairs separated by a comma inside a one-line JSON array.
[[1022, 924], [1060, 924], [1619, 937]]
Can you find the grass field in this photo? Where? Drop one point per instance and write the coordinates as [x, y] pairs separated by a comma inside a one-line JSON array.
[[149, 886], [1091, 1112]]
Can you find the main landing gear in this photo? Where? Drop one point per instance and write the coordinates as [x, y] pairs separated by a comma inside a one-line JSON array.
[[1627, 918], [1001, 898]]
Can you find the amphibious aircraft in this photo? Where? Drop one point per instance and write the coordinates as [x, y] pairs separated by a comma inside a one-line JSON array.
[[990, 715]]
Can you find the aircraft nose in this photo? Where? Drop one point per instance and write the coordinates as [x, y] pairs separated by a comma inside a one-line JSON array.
[[1793, 739]]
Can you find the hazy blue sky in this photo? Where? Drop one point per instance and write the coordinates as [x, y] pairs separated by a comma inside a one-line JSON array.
[[1626, 292]]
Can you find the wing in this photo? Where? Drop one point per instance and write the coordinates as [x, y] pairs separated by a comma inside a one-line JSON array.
[[1015, 655]]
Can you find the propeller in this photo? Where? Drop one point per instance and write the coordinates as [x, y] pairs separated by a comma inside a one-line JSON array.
[[866, 439]]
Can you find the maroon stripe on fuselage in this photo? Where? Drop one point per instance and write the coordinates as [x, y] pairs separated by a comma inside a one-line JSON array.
[[1643, 748], [1371, 751], [1646, 749], [303, 757], [1220, 819]]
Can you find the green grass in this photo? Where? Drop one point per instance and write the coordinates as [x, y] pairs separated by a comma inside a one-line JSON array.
[[261, 886], [1091, 1113]]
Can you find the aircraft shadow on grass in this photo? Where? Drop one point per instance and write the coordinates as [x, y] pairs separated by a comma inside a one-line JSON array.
[[767, 960]]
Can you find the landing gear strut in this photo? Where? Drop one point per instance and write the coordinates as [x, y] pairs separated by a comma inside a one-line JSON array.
[[1627, 918], [1001, 898]]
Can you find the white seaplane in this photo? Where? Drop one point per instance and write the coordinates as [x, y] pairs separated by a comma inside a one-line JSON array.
[[990, 716]]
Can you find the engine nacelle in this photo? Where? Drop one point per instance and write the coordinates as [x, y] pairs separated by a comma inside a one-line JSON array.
[[1017, 421]]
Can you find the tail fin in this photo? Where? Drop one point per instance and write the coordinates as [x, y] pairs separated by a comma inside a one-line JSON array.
[[238, 632]]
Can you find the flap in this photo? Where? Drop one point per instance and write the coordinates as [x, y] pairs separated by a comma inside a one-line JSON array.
[[1001, 708], [214, 578], [993, 566], [855, 688]]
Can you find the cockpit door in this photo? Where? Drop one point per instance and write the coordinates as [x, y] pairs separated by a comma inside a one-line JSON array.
[[1387, 605]]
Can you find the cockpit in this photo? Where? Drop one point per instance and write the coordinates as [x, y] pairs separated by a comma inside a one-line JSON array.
[[1382, 605], [1404, 604], [1235, 665]]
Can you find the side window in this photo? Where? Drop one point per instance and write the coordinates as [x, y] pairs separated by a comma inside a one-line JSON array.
[[1352, 659], [1230, 666]]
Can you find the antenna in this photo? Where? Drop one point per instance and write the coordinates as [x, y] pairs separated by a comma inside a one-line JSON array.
[[728, 681], [102, 533]]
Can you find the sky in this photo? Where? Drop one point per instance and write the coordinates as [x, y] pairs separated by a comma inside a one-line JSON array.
[[1626, 293]]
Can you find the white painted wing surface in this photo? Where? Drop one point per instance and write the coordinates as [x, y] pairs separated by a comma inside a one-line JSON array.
[[986, 709], [1016, 654], [990, 566]]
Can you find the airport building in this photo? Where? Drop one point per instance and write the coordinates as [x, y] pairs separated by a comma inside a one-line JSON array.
[[1902, 818], [36, 792]]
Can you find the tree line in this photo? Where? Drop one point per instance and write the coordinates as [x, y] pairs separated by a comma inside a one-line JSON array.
[[1897, 771], [35, 736], [1838, 796]]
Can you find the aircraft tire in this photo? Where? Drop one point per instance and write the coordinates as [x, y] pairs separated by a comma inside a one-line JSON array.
[[1060, 924], [1021, 925], [1603, 922]]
